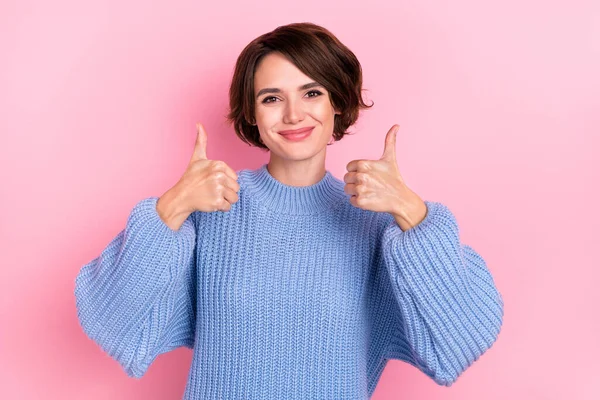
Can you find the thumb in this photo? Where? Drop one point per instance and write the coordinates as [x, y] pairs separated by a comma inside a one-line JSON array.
[[200, 146], [389, 150]]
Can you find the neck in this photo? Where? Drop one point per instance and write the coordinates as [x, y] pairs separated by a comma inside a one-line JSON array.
[[267, 191], [297, 172]]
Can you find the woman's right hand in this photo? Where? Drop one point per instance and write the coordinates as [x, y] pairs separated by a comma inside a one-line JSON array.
[[206, 185]]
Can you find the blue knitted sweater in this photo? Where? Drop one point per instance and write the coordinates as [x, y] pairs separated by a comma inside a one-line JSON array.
[[292, 294]]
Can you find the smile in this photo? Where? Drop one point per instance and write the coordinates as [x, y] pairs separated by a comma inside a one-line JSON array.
[[298, 134]]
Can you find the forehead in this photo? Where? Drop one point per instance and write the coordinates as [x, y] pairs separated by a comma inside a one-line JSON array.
[[276, 71]]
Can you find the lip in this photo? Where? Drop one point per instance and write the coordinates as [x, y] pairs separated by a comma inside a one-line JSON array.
[[296, 131]]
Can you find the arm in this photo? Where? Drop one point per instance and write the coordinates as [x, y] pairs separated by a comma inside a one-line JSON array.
[[137, 299], [449, 311]]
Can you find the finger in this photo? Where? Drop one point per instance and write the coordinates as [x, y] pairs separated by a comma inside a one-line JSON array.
[[354, 165], [389, 150], [353, 201], [230, 172], [200, 146], [224, 205], [232, 184], [350, 188], [230, 195], [351, 177]]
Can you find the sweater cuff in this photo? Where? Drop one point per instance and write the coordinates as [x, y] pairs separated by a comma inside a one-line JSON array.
[[145, 212], [438, 216]]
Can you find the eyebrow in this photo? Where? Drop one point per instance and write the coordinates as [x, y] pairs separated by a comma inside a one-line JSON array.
[[275, 90]]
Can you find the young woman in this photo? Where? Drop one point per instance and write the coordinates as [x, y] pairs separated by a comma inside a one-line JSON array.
[[287, 282]]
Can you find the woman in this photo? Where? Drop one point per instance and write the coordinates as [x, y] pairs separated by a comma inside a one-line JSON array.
[[284, 280]]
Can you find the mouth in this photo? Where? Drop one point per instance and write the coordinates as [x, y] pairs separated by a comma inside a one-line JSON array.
[[296, 131], [297, 134]]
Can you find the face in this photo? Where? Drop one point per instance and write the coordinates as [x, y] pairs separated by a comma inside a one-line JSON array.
[[282, 103]]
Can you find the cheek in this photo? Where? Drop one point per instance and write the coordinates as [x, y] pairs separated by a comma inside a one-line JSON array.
[[266, 117], [324, 112]]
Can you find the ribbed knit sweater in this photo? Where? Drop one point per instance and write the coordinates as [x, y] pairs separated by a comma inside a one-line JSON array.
[[292, 294]]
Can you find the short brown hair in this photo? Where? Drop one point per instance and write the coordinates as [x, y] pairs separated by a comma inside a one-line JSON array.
[[318, 54]]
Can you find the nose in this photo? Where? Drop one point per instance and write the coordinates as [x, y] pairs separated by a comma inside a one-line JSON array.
[[293, 112]]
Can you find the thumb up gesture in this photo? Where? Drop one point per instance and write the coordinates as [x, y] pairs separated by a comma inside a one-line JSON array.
[[377, 185], [206, 185]]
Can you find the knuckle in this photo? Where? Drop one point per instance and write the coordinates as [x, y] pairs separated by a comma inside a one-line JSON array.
[[219, 165], [219, 175]]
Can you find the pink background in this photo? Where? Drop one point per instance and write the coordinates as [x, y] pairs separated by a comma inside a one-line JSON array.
[[498, 105]]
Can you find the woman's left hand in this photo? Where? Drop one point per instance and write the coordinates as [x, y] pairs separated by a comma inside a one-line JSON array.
[[377, 185]]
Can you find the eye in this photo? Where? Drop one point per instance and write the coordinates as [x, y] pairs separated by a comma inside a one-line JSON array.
[[266, 100]]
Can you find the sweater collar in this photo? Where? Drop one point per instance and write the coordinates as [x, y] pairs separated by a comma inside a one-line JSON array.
[[267, 191]]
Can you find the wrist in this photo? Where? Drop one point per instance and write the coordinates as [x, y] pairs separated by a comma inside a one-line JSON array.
[[411, 214], [171, 210]]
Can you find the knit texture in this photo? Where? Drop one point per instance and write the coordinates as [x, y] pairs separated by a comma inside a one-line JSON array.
[[292, 294]]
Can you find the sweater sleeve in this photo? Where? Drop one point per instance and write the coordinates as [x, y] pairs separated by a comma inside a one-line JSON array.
[[449, 312], [138, 298]]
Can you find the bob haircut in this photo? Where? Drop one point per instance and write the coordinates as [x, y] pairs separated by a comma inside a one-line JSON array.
[[318, 54]]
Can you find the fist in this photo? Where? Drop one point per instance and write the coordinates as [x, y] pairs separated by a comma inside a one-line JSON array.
[[377, 185], [206, 185]]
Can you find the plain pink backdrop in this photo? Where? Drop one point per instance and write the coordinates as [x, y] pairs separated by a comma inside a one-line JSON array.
[[499, 109]]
